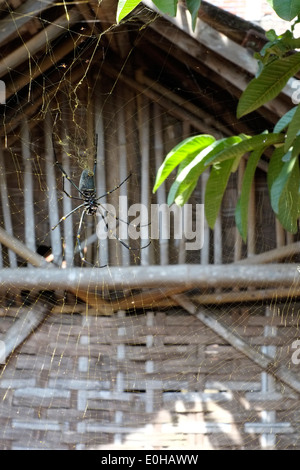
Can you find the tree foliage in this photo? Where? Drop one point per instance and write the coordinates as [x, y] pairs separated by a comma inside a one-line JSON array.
[[278, 62]]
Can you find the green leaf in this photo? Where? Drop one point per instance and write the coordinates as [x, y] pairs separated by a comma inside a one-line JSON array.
[[193, 170], [268, 84], [293, 129], [284, 189], [241, 212], [215, 188], [175, 185], [286, 9], [296, 147], [285, 120], [125, 7], [193, 7], [189, 148], [186, 194], [167, 6], [281, 182], [261, 141]]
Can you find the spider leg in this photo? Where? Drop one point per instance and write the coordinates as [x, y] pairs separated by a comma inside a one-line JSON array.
[[78, 236], [69, 179], [118, 218], [118, 238], [66, 216], [112, 190], [67, 194]]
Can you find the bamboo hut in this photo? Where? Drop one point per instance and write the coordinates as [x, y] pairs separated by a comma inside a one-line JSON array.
[[144, 345]]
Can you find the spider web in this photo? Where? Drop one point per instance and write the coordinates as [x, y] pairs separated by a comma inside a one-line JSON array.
[[152, 376]]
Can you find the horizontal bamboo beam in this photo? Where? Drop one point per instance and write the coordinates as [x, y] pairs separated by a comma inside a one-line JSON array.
[[188, 276], [272, 255]]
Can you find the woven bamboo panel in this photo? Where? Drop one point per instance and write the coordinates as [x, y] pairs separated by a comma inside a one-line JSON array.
[[156, 380]]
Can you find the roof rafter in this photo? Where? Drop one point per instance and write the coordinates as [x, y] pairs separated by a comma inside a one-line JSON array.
[[22, 15]]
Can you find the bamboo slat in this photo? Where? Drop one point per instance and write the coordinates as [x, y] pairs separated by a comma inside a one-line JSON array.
[[274, 255], [28, 188], [52, 193], [161, 192], [251, 223], [123, 172], [6, 208], [67, 202], [143, 118], [103, 255], [206, 230], [268, 385], [238, 238]]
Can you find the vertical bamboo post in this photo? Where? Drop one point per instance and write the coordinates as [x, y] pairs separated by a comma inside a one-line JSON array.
[[123, 192], [205, 248], [268, 385], [161, 192], [143, 119], [90, 165], [67, 202], [6, 208], [51, 184], [103, 255], [251, 222], [182, 253], [289, 238], [218, 240], [238, 238], [280, 234], [28, 188]]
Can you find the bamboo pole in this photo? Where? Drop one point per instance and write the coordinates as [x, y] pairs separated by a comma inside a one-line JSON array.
[[123, 172], [272, 255], [103, 255], [267, 363], [22, 250], [12, 22], [251, 223], [188, 276], [51, 184], [143, 119], [67, 202], [186, 132], [38, 261], [28, 188], [6, 208], [238, 238], [39, 41], [206, 231], [57, 54], [161, 192], [29, 319]]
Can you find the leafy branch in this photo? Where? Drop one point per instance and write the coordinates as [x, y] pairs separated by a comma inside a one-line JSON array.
[[278, 62]]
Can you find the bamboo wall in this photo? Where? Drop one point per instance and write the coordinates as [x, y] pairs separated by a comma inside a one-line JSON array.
[[155, 379], [134, 135]]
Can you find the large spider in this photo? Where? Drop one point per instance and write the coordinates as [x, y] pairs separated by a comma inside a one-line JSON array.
[[90, 204]]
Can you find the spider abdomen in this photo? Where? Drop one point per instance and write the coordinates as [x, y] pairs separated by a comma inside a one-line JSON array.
[[88, 192], [87, 181]]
